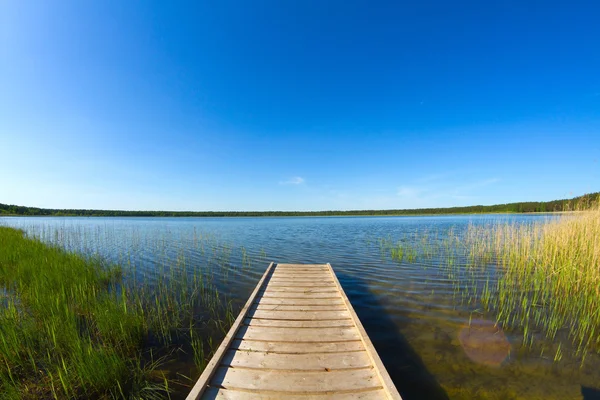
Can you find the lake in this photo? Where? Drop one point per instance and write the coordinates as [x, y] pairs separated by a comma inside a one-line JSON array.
[[411, 309]]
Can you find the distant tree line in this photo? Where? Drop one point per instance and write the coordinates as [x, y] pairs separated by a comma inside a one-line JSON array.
[[522, 207]]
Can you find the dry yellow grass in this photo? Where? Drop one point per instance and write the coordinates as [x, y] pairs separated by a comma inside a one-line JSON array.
[[549, 274]]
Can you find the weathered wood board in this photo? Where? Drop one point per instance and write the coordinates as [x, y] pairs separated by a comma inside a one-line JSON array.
[[297, 337]]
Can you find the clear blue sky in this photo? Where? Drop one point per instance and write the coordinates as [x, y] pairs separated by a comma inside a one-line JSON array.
[[297, 105]]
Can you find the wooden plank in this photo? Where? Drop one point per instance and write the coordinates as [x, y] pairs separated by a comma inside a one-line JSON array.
[[301, 302], [297, 348], [308, 281], [268, 334], [304, 285], [288, 307], [297, 277], [312, 270], [379, 367], [286, 323], [301, 294], [301, 273], [322, 270], [297, 362], [331, 289], [301, 315], [232, 394], [301, 283], [306, 381], [324, 266], [280, 266], [297, 337], [210, 369]]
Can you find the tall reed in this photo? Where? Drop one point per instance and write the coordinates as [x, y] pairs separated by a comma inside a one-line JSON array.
[[549, 274], [74, 324], [540, 277]]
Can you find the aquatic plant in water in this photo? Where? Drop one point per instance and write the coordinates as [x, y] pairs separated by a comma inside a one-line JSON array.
[[75, 323], [540, 278]]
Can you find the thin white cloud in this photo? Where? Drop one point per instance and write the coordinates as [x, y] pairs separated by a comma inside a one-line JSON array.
[[476, 185], [296, 180], [408, 191], [433, 192]]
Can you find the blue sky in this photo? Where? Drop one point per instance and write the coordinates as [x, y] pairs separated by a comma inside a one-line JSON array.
[[309, 105]]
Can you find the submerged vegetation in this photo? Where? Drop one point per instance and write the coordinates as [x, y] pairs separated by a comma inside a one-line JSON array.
[[549, 276], [74, 325], [520, 207], [134, 310], [540, 278]]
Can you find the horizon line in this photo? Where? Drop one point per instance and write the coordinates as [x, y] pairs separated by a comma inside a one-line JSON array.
[[596, 194]]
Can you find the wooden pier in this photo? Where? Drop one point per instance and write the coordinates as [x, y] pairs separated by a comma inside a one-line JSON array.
[[297, 337]]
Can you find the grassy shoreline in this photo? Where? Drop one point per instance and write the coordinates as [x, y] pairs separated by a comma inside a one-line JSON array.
[[73, 326]]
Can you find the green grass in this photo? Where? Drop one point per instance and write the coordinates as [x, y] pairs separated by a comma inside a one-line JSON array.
[[72, 326]]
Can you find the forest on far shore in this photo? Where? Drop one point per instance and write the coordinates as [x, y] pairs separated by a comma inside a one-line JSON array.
[[521, 207]]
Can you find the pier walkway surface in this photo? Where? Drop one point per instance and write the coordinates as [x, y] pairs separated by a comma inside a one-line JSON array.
[[297, 337]]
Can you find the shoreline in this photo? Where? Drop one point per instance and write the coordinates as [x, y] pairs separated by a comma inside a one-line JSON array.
[[291, 216], [525, 207]]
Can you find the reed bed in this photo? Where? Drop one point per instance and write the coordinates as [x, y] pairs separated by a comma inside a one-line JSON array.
[[549, 276], [76, 324], [540, 278]]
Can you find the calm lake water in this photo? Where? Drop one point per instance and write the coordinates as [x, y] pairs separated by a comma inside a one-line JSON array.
[[410, 310]]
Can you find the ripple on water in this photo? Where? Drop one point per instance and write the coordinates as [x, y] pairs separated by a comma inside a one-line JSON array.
[[408, 309]]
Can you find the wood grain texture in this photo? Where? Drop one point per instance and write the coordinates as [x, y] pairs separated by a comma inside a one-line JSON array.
[[299, 307], [213, 364], [301, 315], [307, 294], [311, 289], [300, 362], [297, 348], [303, 285], [224, 394], [299, 302], [296, 381], [300, 282], [297, 338], [301, 274], [283, 323], [389, 386], [268, 334]]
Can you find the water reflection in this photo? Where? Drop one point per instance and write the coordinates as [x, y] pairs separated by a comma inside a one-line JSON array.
[[409, 309], [403, 363]]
